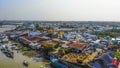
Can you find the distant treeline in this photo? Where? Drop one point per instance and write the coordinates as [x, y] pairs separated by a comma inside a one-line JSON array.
[[70, 22]]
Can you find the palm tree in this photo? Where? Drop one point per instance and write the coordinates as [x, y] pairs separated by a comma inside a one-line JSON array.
[[62, 51]]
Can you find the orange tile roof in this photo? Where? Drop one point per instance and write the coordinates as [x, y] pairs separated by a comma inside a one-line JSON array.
[[78, 45], [32, 39], [50, 43]]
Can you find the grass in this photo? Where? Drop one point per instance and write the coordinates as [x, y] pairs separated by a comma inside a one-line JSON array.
[[23, 48], [30, 53]]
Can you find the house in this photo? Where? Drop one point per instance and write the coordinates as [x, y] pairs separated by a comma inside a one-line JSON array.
[[14, 35], [104, 61], [105, 43], [30, 25], [52, 42], [94, 37], [89, 36], [24, 33], [31, 38], [99, 29], [60, 34], [3, 38], [77, 46], [30, 33], [32, 41], [73, 36], [115, 40], [1, 47], [100, 43]]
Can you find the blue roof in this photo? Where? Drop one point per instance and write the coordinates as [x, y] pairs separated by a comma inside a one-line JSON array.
[[34, 33], [107, 58], [65, 35]]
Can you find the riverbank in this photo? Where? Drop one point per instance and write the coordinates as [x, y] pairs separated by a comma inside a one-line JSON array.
[[18, 59], [16, 62]]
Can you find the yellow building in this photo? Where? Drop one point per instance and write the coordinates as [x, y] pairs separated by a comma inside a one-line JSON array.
[[60, 34]]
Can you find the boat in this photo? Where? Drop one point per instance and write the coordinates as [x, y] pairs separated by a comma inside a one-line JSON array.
[[8, 54]]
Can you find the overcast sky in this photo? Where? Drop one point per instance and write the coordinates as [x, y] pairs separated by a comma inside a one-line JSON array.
[[60, 10]]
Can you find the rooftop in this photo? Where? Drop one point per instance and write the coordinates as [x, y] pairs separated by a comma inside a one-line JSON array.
[[77, 45]]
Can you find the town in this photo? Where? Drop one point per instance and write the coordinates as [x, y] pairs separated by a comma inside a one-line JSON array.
[[59, 44]]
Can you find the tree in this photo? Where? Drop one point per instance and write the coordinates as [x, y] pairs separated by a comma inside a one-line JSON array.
[[58, 45], [50, 48], [38, 26], [62, 51], [83, 30], [115, 45], [50, 35], [117, 55]]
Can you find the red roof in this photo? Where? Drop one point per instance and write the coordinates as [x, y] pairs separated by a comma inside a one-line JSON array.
[[25, 34], [78, 45], [24, 40], [55, 41], [34, 38]]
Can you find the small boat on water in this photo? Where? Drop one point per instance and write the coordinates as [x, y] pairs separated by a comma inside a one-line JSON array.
[[8, 53]]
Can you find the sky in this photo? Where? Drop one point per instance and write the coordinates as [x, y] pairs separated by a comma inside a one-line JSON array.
[[60, 10]]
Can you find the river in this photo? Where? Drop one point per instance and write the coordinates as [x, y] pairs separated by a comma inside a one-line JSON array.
[[16, 62]]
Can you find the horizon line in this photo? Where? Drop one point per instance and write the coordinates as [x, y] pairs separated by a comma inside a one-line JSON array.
[[64, 20]]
